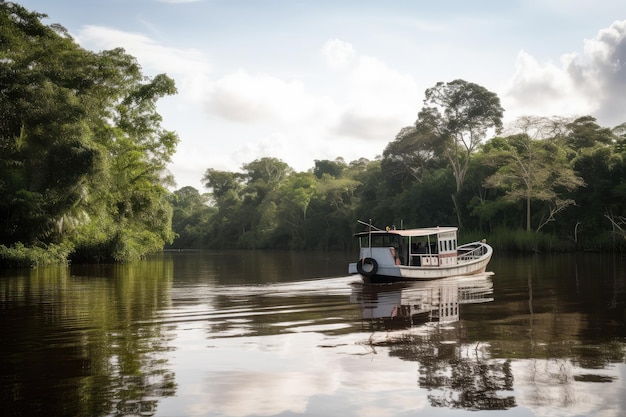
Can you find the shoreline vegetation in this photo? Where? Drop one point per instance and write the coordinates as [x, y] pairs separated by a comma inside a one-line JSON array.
[[84, 177], [503, 241]]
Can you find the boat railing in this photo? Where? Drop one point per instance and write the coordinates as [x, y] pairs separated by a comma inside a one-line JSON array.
[[385, 256], [470, 255], [424, 259]]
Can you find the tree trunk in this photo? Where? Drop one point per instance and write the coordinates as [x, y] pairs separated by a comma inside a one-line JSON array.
[[458, 211], [528, 213]]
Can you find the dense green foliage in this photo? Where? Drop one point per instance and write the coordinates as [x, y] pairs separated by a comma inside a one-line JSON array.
[[552, 184], [82, 153]]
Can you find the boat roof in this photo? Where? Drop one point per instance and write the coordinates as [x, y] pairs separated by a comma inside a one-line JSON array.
[[428, 231]]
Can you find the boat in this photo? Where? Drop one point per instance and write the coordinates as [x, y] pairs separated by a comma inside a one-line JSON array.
[[417, 254]]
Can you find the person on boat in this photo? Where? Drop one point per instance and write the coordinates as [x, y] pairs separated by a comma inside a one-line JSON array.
[[394, 254], [421, 248]]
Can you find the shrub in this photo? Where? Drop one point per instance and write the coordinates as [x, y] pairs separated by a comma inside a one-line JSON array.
[[20, 256]]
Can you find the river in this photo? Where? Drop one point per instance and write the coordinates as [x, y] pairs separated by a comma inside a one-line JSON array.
[[236, 333]]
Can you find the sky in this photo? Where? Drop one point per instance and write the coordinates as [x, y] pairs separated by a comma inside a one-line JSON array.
[[320, 79]]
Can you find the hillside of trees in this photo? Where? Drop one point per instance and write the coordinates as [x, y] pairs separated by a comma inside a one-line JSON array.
[[83, 174]]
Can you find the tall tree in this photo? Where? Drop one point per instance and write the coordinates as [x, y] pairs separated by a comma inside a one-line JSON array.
[[83, 147], [460, 114], [225, 189], [264, 175], [534, 170], [47, 153]]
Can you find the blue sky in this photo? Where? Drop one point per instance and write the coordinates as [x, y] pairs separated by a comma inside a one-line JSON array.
[[307, 80]]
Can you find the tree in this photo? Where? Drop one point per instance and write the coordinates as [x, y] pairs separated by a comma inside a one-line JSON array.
[[221, 182], [264, 175], [460, 114], [332, 212], [295, 196], [191, 217], [584, 132], [533, 170], [46, 150], [82, 145], [332, 168], [601, 165], [246, 202], [411, 155]]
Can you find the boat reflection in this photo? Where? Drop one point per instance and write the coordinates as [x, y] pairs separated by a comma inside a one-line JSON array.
[[421, 322], [405, 305]]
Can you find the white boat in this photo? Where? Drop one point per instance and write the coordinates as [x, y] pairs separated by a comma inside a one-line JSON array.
[[417, 254]]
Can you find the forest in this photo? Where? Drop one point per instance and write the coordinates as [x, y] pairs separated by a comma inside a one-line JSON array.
[[550, 184], [84, 169], [83, 155]]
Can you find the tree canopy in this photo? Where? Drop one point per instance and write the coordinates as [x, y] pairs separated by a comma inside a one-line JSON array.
[[561, 179], [83, 151], [459, 114]]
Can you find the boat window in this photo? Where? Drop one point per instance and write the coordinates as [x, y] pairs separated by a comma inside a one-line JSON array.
[[447, 245], [382, 241], [433, 247]]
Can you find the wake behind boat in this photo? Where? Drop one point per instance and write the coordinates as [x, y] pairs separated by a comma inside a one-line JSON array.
[[417, 254]]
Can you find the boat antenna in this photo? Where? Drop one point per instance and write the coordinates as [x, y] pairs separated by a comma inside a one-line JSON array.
[[370, 225]]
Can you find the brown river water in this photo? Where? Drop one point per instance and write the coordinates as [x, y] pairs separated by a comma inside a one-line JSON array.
[[256, 333]]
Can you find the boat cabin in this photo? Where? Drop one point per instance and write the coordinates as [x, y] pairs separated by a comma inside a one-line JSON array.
[[436, 246]]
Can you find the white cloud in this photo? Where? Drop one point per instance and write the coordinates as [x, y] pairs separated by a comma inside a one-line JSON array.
[[361, 124], [243, 97], [606, 58], [591, 83], [543, 89], [381, 101], [189, 67], [338, 54], [374, 103], [382, 88], [299, 148]]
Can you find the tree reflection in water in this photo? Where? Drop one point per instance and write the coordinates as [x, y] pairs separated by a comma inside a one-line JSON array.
[[421, 322], [78, 343]]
